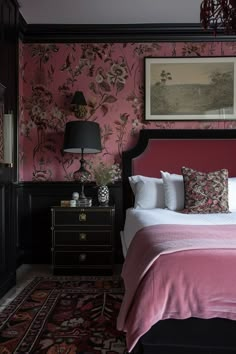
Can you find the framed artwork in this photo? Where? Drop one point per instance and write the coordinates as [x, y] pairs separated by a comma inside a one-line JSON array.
[[190, 88]]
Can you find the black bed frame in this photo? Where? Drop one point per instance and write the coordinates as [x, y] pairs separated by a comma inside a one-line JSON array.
[[193, 335]]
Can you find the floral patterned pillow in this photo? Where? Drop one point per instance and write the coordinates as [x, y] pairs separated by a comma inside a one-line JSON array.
[[205, 192]]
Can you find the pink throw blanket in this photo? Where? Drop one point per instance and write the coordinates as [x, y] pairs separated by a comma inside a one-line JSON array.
[[178, 271]]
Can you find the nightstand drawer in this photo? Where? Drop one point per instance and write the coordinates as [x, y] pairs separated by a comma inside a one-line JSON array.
[[75, 259], [82, 217], [82, 237]]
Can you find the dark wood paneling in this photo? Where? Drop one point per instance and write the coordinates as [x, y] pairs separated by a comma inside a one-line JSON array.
[[9, 78], [7, 239], [34, 202], [9, 18], [9, 52]]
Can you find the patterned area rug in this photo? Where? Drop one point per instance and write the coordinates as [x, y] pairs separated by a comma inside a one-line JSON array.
[[66, 315]]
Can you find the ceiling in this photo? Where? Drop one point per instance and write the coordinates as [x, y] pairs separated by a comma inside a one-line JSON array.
[[110, 11]]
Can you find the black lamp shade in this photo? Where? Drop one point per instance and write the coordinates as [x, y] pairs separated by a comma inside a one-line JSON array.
[[83, 136], [78, 99]]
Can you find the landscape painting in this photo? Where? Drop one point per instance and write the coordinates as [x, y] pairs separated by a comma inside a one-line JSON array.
[[190, 88]]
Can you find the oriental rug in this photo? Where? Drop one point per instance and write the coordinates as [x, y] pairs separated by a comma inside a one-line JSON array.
[[66, 315]]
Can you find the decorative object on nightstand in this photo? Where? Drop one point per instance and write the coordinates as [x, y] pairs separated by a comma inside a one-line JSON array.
[[83, 240], [82, 137], [103, 195], [75, 196], [65, 203], [72, 203], [103, 175]]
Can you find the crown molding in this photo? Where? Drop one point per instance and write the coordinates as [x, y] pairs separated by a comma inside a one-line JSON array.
[[49, 33]]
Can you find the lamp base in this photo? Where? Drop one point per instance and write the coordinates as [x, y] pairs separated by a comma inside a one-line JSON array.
[[81, 176]]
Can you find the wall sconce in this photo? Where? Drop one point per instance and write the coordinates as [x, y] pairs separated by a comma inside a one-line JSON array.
[[79, 104]]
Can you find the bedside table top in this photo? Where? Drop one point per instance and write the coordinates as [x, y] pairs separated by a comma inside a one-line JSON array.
[[93, 207]]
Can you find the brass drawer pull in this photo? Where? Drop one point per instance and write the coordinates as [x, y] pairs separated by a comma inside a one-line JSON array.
[[82, 257], [82, 236], [82, 217]]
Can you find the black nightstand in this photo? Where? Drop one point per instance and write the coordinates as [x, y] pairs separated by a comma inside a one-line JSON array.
[[83, 240]]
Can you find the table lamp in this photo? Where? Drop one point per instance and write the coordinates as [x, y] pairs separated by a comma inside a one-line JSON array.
[[82, 137]]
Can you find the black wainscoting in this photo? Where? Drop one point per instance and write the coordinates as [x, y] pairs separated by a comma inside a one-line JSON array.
[[34, 202], [7, 234], [9, 27], [9, 14]]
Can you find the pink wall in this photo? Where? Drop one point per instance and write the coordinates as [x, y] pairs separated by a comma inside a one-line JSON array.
[[111, 77]]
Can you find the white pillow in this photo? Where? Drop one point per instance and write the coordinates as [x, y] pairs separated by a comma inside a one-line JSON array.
[[232, 193], [174, 190], [148, 192]]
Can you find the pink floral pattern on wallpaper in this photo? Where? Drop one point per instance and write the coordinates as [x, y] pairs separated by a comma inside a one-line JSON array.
[[111, 76]]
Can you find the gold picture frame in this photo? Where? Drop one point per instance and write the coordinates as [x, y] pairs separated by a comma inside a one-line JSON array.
[[190, 88]]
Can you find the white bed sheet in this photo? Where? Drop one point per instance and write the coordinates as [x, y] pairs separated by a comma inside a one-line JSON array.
[[136, 219]]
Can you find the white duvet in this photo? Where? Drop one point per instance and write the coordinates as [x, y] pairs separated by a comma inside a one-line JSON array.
[[136, 219]]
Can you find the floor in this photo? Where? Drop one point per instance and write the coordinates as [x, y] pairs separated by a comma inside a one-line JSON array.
[[25, 274]]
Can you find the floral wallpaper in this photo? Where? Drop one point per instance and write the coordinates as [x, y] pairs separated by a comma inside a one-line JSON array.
[[111, 76]]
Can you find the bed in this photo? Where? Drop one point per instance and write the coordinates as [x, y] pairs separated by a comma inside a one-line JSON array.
[[166, 307]]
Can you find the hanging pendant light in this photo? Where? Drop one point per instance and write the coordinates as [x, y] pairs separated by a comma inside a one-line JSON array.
[[219, 15]]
